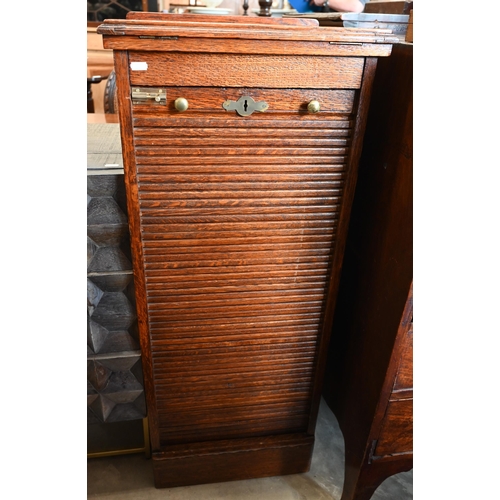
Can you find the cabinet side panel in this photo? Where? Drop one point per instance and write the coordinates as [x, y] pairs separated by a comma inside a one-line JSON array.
[[345, 211], [378, 264], [125, 115]]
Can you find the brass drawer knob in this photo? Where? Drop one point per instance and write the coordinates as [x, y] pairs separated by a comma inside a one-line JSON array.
[[181, 104], [313, 107]]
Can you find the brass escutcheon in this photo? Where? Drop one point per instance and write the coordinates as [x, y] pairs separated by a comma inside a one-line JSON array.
[[245, 106]]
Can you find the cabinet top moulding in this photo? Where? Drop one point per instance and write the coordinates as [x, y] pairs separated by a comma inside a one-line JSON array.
[[172, 33]]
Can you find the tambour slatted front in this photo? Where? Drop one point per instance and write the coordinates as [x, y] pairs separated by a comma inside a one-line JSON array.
[[240, 206], [242, 240]]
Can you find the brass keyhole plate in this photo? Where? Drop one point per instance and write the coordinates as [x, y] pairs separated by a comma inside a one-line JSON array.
[[245, 106]]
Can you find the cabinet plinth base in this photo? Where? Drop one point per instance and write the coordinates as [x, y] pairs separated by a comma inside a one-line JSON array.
[[219, 461]]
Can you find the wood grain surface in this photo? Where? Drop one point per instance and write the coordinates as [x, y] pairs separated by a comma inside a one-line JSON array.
[[224, 19], [253, 46], [238, 228], [228, 249], [234, 459], [368, 378], [246, 70], [396, 434], [169, 26]]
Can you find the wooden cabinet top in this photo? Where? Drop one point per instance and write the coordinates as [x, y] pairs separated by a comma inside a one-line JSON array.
[[172, 31]]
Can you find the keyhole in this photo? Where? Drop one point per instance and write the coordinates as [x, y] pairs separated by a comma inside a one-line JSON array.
[[245, 105]]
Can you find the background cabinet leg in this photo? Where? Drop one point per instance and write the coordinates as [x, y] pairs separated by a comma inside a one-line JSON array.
[[360, 483], [362, 479], [147, 442]]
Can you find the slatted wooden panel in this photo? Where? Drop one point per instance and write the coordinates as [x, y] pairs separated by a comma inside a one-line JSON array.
[[237, 233]]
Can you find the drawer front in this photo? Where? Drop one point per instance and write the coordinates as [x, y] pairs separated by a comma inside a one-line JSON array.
[[238, 222], [396, 435], [292, 102], [163, 68]]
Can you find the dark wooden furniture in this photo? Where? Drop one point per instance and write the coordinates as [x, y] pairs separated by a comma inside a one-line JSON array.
[[265, 8], [98, 10], [110, 97], [368, 382], [114, 376], [240, 145], [99, 65], [391, 7], [92, 80]]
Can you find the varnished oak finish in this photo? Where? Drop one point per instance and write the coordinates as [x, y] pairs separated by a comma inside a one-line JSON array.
[[224, 19], [238, 227], [369, 375], [294, 71]]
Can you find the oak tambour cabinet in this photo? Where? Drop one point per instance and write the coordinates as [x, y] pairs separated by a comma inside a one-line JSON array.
[[240, 145]]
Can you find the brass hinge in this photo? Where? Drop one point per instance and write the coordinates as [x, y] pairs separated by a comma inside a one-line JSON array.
[[159, 37], [372, 451], [141, 95], [346, 43]]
